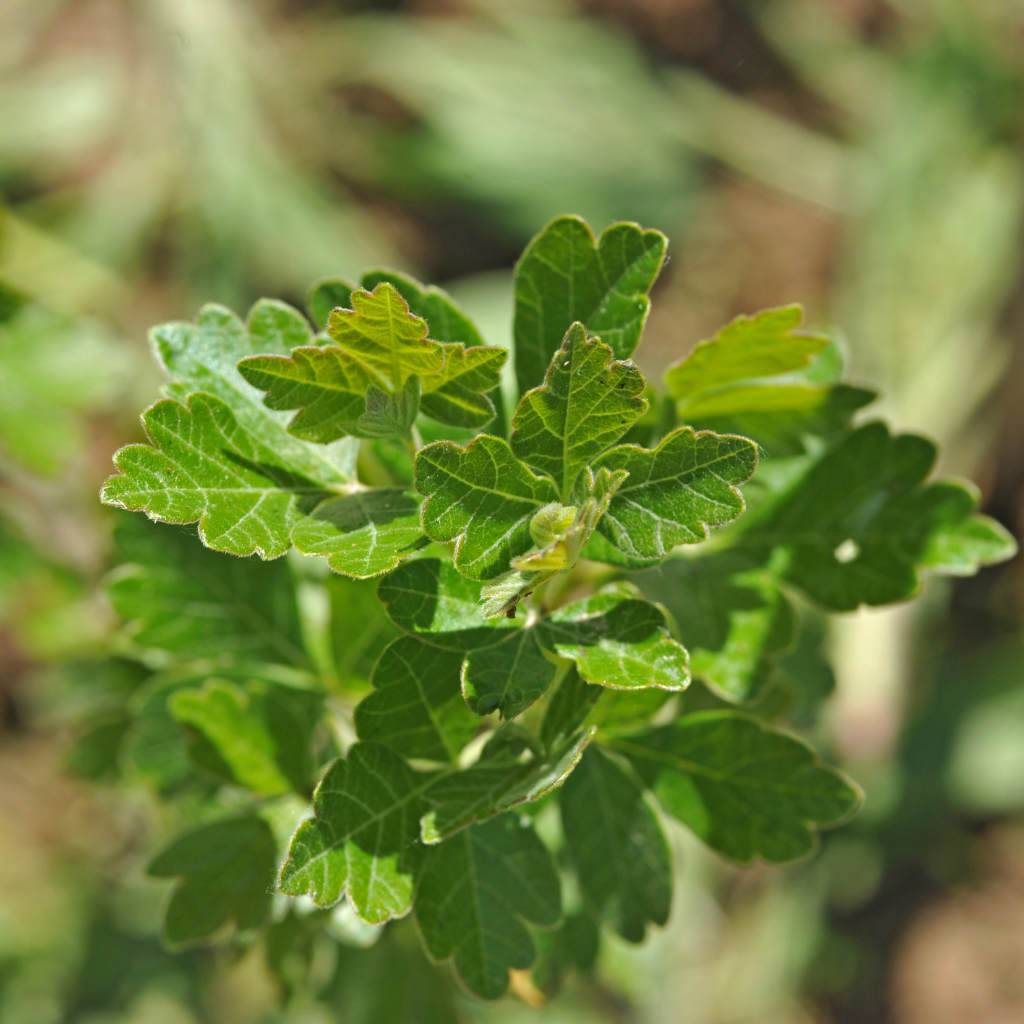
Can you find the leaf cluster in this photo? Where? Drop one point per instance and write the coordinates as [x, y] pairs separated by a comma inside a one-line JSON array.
[[504, 715]]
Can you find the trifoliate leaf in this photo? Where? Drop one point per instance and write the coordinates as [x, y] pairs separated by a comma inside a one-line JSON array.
[[506, 774], [429, 598], [673, 493], [362, 842], [204, 357], [261, 733], [875, 523], [482, 497], [586, 403], [508, 677], [473, 893], [616, 845], [731, 615], [566, 275], [226, 871], [417, 707], [617, 641], [177, 597], [203, 465], [364, 533], [766, 344], [746, 790]]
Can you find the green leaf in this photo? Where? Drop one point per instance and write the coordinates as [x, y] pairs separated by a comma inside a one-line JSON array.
[[566, 275], [362, 842], [226, 871], [617, 641], [744, 789], [508, 677], [473, 893], [586, 403], [262, 733], [203, 465], [364, 533], [616, 845], [731, 615], [875, 523], [204, 357], [570, 704], [483, 498], [417, 707], [326, 296], [766, 344], [429, 598], [674, 493], [178, 598], [506, 774]]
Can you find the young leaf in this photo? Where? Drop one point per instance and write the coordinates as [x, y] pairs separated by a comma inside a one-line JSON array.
[[203, 466], [498, 781], [362, 534], [262, 733], [507, 677], [473, 893], [429, 598], [616, 845], [876, 524], [673, 493], [767, 344], [361, 843], [226, 872], [416, 707], [178, 598], [746, 790], [565, 275], [483, 498], [586, 403], [326, 296], [730, 613], [204, 357], [617, 641]]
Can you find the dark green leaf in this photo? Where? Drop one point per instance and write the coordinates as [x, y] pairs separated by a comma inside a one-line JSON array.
[[226, 871], [566, 275], [473, 893], [326, 296], [507, 677], [617, 847], [417, 707], [744, 789]]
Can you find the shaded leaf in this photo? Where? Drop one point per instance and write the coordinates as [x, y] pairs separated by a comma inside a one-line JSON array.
[[482, 497], [417, 707], [507, 677], [473, 893], [616, 845], [565, 275], [179, 598], [744, 789], [226, 871]]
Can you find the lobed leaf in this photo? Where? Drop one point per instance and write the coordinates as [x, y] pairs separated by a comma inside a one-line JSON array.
[[565, 275], [616, 846], [673, 493], [509, 676], [586, 403], [473, 893], [746, 790], [361, 842], [225, 871], [417, 707], [483, 498]]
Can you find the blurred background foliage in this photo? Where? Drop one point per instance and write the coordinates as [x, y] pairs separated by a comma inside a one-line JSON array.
[[864, 157]]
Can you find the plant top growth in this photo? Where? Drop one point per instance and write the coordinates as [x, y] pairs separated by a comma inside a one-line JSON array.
[[597, 604]]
